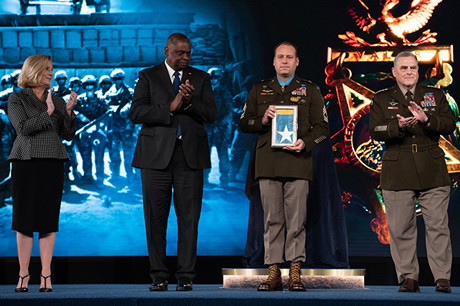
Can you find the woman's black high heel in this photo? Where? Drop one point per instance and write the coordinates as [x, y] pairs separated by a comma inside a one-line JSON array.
[[22, 289], [45, 289]]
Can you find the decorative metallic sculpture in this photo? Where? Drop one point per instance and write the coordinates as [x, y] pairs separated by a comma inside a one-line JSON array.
[[388, 29]]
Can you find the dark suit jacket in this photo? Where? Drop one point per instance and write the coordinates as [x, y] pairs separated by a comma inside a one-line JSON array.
[[312, 127], [152, 98], [402, 168]]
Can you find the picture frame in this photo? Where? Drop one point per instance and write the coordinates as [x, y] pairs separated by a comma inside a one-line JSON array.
[[284, 126]]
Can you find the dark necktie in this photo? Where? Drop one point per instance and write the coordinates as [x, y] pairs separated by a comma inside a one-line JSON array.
[[176, 82], [176, 90], [409, 96]]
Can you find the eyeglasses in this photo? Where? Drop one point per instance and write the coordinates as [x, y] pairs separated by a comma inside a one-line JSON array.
[[117, 78]]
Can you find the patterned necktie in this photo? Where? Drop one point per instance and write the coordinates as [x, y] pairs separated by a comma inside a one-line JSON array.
[[176, 90], [409, 96], [176, 82]]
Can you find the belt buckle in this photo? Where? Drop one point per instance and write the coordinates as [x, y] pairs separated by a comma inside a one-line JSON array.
[[414, 147]]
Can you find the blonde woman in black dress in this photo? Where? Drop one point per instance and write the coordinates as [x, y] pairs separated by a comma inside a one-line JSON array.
[[41, 120]]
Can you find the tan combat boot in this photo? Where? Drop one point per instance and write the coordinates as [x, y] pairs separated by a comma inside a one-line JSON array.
[[295, 282], [274, 282]]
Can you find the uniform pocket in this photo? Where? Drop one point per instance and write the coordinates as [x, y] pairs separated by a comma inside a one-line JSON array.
[[390, 155], [266, 99], [437, 152]]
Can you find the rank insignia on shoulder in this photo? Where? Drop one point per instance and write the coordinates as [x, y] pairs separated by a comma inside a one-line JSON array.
[[295, 99], [382, 90]]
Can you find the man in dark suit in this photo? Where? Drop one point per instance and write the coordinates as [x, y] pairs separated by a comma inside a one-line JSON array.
[[284, 173], [173, 101], [410, 118]]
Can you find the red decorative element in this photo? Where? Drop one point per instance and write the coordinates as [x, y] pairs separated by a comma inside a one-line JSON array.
[[380, 226]]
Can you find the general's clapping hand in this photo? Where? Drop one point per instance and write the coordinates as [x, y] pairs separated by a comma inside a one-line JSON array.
[[405, 123], [418, 112]]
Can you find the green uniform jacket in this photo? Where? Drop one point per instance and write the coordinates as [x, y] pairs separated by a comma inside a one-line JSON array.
[[312, 127], [412, 159]]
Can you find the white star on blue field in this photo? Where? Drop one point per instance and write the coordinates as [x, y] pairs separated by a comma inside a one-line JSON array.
[[286, 134]]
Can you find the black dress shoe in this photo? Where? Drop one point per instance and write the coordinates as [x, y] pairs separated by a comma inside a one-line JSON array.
[[184, 284], [409, 285], [159, 285]]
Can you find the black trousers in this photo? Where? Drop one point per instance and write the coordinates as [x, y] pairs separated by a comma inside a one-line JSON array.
[[157, 186]]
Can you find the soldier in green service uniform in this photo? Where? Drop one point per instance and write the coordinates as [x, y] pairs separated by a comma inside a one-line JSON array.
[[410, 118], [284, 173]]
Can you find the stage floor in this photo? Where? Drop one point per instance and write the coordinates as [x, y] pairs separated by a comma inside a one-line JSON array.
[[138, 295]]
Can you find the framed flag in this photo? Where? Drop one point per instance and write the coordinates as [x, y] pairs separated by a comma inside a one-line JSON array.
[[284, 126]]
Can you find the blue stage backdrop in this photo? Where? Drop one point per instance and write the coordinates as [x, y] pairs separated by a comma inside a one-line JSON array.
[[98, 49]]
